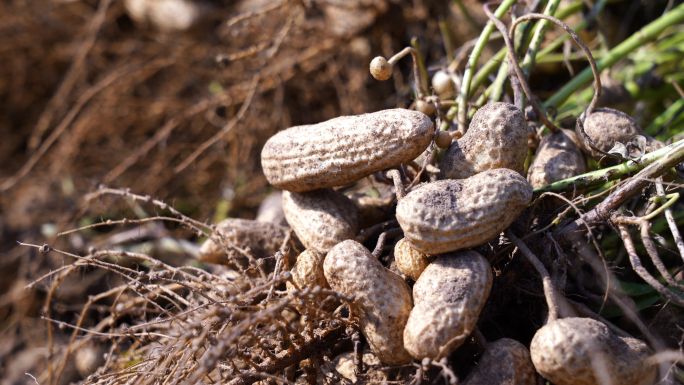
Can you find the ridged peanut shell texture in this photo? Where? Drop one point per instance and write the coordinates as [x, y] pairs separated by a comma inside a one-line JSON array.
[[263, 239], [410, 262], [505, 362], [558, 157], [307, 273], [496, 138], [322, 218], [448, 298], [345, 149], [569, 351], [450, 215], [606, 126], [382, 300]]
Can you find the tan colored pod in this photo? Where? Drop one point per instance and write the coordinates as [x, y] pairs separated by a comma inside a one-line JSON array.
[[505, 361], [448, 298], [271, 209], [322, 218], [410, 262], [263, 239], [450, 215], [606, 126], [572, 351], [344, 364], [558, 157], [307, 273], [382, 299], [496, 138], [345, 149]]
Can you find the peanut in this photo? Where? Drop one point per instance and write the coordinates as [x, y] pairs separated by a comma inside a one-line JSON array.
[[448, 296], [322, 218], [504, 361], [382, 299], [307, 273], [345, 149], [450, 215], [583, 351], [271, 210], [558, 157], [409, 261], [606, 126], [496, 138], [263, 239]]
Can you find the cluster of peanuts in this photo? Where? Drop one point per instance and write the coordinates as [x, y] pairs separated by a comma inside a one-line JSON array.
[[477, 192]]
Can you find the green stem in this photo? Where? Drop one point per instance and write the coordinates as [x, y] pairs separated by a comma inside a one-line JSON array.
[[496, 60], [446, 37], [538, 37], [421, 66], [599, 177], [645, 35], [472, 63], [498, 85]]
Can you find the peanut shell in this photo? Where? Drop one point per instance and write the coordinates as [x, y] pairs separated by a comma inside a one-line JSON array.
[[307, 273], [450, 215], [448, 297], [382, 299], [263, 239], [271, 210], [496, 138], [322, 218], [410, 262], [606, 126], [571, 350], [558, 157], [504, 361], [345, 149]]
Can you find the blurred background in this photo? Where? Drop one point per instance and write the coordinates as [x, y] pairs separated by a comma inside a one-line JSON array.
[[175, 98]]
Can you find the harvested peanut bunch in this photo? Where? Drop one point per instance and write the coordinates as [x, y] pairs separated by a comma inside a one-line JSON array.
[[345, 149], [410, 262], [450, 215], [263, 239], [496, 138], [558, 157], [322, 218], [583, 351], [504, 361], [448, 296], [382, 299], [606, 126]]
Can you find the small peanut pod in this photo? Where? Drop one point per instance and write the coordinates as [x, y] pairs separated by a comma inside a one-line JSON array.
[[307, 273], [606, 126], [410, 262], [322, 218], [448, 296], [583, 351], [345, 149], [505, 361], [558, 157], [496, 138], [382, 299], [450, 215], [263, 239]]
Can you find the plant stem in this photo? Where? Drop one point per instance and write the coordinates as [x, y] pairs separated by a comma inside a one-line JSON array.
[[446, 36], [422, 82], [472, 63], [538, 37], [599, 177], [645, 35]]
